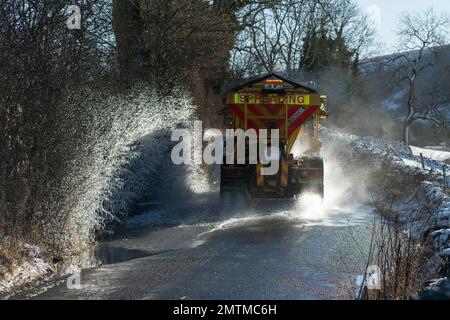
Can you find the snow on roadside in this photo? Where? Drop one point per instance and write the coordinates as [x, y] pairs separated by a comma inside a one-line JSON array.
[[402, 156], [30, 269], [402, 160], [431, 153]]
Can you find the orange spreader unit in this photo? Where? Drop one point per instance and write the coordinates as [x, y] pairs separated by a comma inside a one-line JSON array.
[[266, 104], [273, 102]]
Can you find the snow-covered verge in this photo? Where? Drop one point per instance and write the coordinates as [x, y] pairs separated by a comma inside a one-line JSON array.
[[410, 182], [29, 268], [433, 154], [437, 290]]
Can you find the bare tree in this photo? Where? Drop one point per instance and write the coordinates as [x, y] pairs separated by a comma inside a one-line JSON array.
[[419, 35], [177, 43], [293, 31], [293, 35], [167, 40], [349, 27], [260, 39]]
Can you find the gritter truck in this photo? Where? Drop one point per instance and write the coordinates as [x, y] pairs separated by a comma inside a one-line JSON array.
[[274, 102]]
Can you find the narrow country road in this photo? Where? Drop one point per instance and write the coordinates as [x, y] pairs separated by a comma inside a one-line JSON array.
[[272, 250]]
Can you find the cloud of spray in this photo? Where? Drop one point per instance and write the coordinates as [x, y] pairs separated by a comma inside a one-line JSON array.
[[345, 198], [345, 195], [355, 103], [351, 173], [345, 188]]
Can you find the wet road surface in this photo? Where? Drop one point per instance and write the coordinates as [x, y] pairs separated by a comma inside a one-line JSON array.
[[203, 250]]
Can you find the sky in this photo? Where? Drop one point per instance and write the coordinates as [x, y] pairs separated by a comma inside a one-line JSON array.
[[386, 15]]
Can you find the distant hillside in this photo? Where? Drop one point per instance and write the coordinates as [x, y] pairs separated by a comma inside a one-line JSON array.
[[433, 82]]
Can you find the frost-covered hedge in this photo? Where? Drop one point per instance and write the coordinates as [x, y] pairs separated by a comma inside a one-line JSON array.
[[121, 159]]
